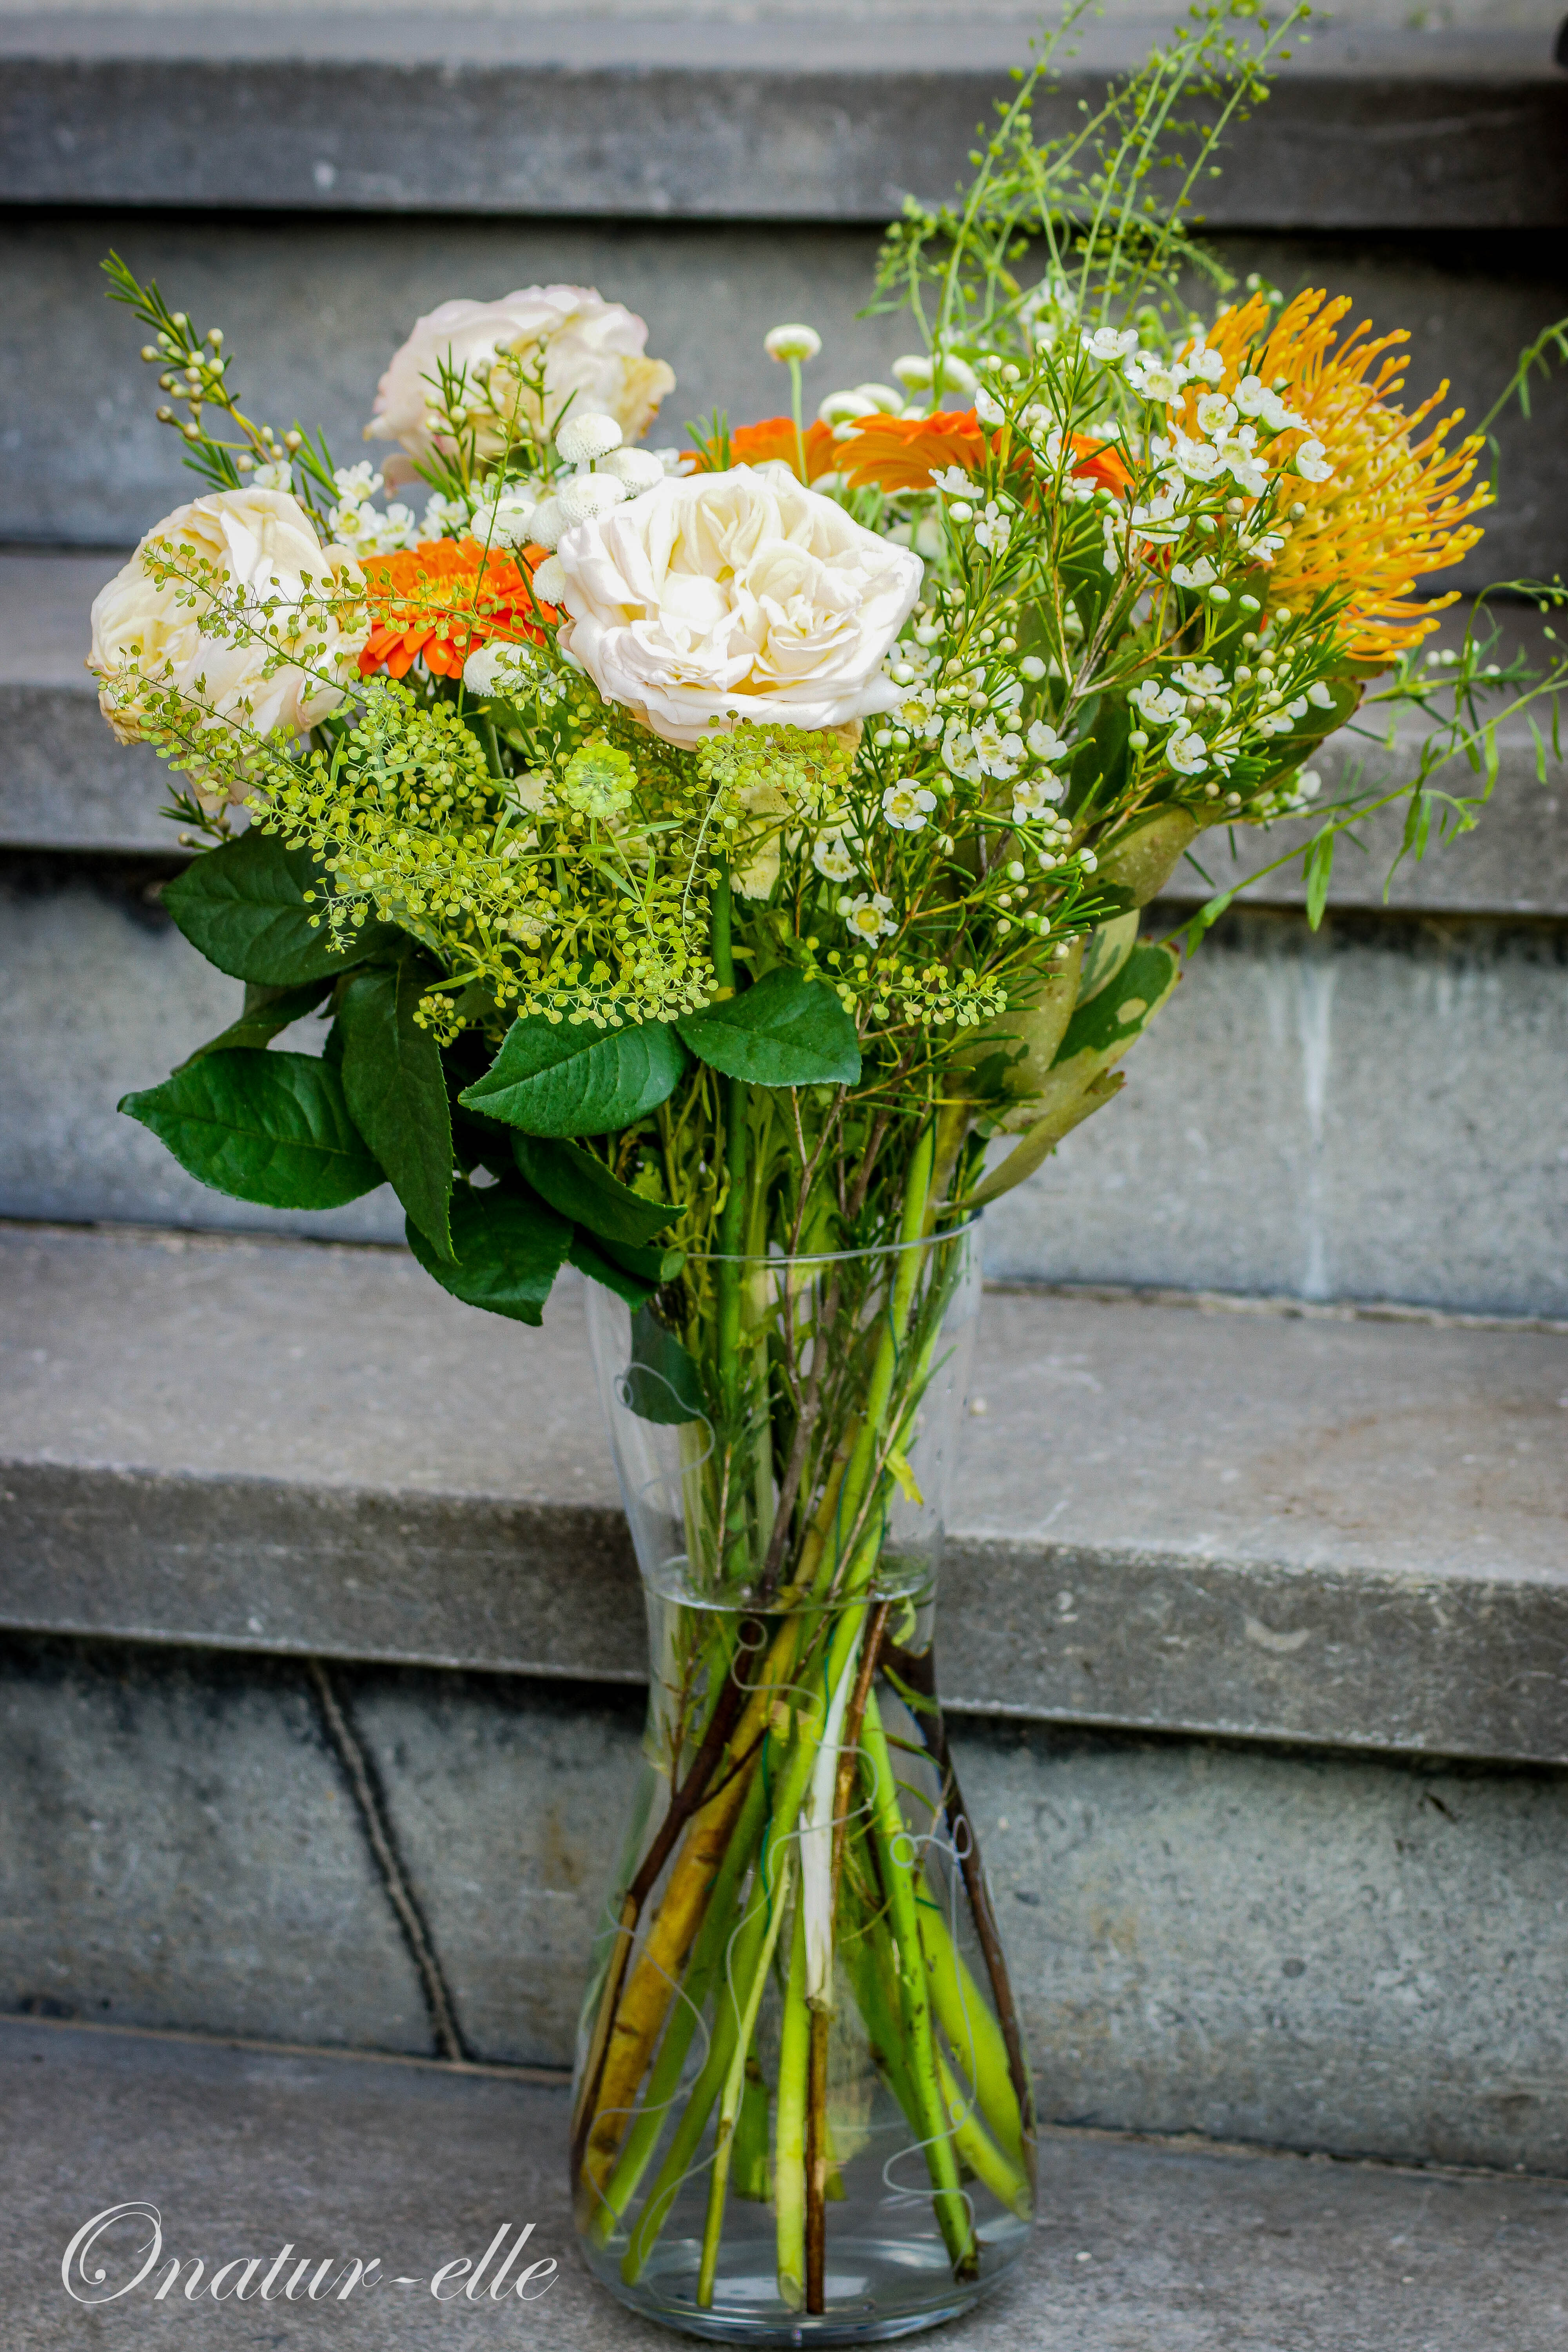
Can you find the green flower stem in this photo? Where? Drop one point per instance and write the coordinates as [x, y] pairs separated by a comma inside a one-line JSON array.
[[884, 1370], [887, 1835], [1006, 2181], [732, 1217], [789, 2131], [971, 2031], [707, 1953], [734, 2086]]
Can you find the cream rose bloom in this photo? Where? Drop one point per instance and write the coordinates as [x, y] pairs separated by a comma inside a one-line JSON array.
[[592, 348], [736, 595], [256, 545]]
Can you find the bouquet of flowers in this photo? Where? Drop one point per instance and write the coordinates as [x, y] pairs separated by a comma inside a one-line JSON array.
[[701, 860]]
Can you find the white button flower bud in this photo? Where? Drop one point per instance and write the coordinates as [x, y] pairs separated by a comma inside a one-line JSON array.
[[791, 343], [951, 375], [549, 582], [913, 371], [546, 523], [582, 439], [844, 408], [586, 496], [639, 470]]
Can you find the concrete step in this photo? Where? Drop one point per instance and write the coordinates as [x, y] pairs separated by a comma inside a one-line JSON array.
[[1194, 1516], [1138, 2242], [793, 116], [1254, 1630]]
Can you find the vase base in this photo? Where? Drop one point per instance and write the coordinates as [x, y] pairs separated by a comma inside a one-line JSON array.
[[875, 2292]]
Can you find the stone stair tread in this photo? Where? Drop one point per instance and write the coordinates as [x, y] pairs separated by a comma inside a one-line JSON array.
[[1370, 128], [1199, 2248], [1284, 1523]]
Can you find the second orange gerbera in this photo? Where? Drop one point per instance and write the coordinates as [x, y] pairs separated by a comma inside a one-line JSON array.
[[902, 453], [440, 600]]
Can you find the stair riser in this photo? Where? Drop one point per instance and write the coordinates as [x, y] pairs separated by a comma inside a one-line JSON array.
[[313, 309], [1303, 1950], [1375, 1112]]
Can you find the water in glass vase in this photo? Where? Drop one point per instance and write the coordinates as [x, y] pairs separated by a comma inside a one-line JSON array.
[[802, 2108]]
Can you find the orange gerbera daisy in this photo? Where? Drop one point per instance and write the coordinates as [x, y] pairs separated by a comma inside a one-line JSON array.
[[772, 442], [902, 453], [1396, 505], [444, 598]]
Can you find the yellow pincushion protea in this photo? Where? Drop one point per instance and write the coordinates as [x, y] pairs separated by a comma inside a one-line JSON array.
[[1397, 502]]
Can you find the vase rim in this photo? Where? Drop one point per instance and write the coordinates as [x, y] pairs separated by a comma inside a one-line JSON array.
[[948, 1233]]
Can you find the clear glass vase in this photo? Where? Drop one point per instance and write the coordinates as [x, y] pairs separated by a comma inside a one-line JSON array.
[[802, 2108]]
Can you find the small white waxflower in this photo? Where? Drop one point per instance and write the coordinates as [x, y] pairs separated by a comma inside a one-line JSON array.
[[1187, 752], [639, 470], [1312, 464], [1201, 574], [586, 496], [921, 715], [1110, 342], [1309, 783], [1033, 668], [992, 528], [584, 437], [1317, 695], [1217, 415], [1242, 463], [550, 580], [1161, 706], [791, 343], [996, 754], [276, 476], [1044, 743], [989, 409], [1209, 365], [953, 482], [1202, 677], [1200, 461], [830, 857], [869, 915], [1033, 796], [906, 805], [1156, 379]]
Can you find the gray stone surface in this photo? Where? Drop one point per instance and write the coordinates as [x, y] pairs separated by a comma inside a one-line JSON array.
[[314, 314], [554, 115], [1195, 2249], [1375, 1111], [1302, 1527], [180, 1848]]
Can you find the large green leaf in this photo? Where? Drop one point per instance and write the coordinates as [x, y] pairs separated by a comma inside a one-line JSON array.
[[787, 1031], [560, 1079], [272, 1128], [1119, 1013], [267, 1012], [583, 1189], [509, 1248], [244, 907], [396, 1090], [663, 1384], [591, 1260]]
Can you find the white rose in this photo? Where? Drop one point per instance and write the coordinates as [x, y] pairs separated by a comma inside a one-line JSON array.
[[256, 545], [735, 595], [593, 358]]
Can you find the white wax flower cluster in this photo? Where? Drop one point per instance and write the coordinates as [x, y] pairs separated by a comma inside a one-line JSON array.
[[733, 595], [251, 548]]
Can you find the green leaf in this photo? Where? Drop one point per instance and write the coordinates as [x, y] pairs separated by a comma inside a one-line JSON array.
[[272, 1128], [663, 1384], [509, 1248], [267, 1011], [557, 1079], [1105, 952], [1107, 1025], [583, 1189], [787, 1031], [396, 1090], [1320, 868], [243, 905], [590, 1261]]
